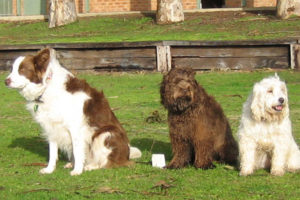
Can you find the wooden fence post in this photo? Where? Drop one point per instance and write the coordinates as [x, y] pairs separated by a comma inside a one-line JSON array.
[[295, 56], [163, 55]]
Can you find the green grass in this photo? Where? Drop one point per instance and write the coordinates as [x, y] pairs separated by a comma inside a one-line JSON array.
[[199, 26], [134, 97]]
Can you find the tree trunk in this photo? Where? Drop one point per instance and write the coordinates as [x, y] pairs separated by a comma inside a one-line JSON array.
[[169, 11], [62, 12], [286, 8]]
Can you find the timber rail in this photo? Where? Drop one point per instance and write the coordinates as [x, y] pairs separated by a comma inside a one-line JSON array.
[[162, 55]]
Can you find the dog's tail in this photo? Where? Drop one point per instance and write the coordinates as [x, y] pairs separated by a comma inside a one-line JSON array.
[[134, 153]]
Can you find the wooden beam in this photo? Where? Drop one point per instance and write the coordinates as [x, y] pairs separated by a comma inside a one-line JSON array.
[[295, 56], [231, 51], [292, 56], [163, 54], [232, 63]]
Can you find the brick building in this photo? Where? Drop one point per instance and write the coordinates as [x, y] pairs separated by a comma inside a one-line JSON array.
[[39, 7], [250, 3]]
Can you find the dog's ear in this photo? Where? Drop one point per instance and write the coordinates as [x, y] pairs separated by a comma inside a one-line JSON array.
[[41, 60], [256, 106], [191, 72], [286, 111], [194, 73]]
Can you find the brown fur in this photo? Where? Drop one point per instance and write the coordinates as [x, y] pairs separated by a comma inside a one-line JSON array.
[[34, 67], [100, 116], [199, 130]]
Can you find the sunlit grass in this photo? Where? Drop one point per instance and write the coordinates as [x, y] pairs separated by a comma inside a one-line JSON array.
[[143, 28]]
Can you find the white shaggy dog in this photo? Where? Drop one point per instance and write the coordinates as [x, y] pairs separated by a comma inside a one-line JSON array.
[[265, 132], [76, 118]]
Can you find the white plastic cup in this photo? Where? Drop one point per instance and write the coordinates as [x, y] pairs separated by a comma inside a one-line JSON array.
[[158, 160]]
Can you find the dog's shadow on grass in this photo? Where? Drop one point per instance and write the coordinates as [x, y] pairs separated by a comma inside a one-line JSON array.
[[153, 146], [36, 145], [39, 146]]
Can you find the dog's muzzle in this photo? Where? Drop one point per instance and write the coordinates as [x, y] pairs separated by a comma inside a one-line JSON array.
[[280, 106], [7, 81]]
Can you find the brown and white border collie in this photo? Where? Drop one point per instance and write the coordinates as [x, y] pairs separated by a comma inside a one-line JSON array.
[[75, 117]]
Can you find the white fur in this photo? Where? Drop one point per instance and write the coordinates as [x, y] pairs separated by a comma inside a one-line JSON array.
[[100, 152], [29, 90], [265, 135], [134, 153], [61, 116]]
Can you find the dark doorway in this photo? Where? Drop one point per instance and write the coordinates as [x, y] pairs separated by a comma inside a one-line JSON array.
[[212, 3]]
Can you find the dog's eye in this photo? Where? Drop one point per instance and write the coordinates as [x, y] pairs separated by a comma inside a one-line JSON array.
[[270, 91]]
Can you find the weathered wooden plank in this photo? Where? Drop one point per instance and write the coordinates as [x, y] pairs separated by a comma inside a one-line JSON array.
[[105, 45], [238, 52], [143, 55], [21, 47], [107, 53], [232, 63], [230, 43], [137, 63], [84, 45], [14, 54], [123, 52], [81, 63], [148, 44], [143, 58], [6, 64], [8, 57]]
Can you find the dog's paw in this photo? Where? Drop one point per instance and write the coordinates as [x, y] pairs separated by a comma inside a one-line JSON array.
[[46, 170], [243, 173], [76, 172], [90, 167], [293, 170], [68, 165], [247, 172], [277, 172], [205, 166], [174, 166]]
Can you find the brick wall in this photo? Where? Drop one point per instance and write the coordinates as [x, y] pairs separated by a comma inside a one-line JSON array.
[[80, 6], [96, 6], [233, 3], [14, 7], [250, 3], [189, 4], [131, 5], [260, 3]]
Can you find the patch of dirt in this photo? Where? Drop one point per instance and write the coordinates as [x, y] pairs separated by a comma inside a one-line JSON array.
[[207, 17], [225, 16]]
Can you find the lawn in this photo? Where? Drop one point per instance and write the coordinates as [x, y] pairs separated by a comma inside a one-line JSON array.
[[134, 97], [124, 28]]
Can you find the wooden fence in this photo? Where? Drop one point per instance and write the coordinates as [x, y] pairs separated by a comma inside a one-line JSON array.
[[161, 55]]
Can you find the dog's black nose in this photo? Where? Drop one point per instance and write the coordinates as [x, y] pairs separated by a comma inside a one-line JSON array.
[[7, 82], [281, 100]]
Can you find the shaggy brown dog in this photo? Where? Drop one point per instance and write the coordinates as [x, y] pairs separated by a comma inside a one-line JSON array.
[[199, 130]]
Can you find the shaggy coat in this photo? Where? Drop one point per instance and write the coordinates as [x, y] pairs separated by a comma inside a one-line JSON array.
[[75, 117], [199, 130], [265, 131]]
